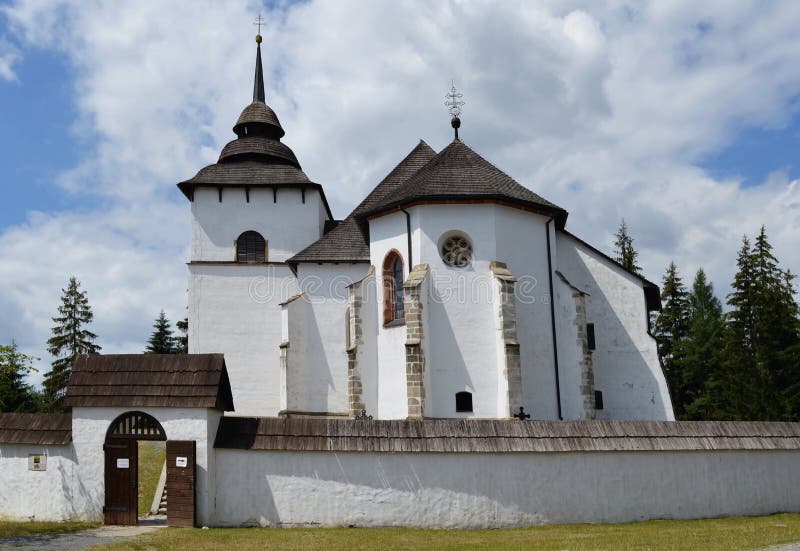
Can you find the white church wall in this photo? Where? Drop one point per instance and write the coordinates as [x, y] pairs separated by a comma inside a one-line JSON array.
[[522, 245], [388, 233], [570, 353], [461, 349], [55, 494], [322, 371], [89, 428], [235, 310], [626, 366], [495, 490], [288, 224]]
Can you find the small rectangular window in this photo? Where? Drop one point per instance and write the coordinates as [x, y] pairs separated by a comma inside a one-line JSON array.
[[463, 402], [590, 335], [598, 399]]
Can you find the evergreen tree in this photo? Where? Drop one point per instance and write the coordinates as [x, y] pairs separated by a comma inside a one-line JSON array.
[[671, 329], [182, 341], [161, 341], [70, 339], [624, 251], [701, 348], [759, 371], [15, 394], [734, 389]]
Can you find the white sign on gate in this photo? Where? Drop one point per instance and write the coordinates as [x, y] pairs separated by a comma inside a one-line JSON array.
[[123, 463], [181, 461]]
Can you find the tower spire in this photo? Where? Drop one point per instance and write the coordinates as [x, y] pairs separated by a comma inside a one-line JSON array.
[[258, 85]]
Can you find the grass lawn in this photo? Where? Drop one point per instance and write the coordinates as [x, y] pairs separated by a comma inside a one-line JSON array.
[[9, 529], [713, 534], [151, 461]]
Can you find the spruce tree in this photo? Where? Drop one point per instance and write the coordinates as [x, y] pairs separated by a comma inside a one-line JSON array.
[[624, 251], [671, 329], [70, 339], [734, 389], [15, 394], [182, 341], [701, 348], [161, 341]]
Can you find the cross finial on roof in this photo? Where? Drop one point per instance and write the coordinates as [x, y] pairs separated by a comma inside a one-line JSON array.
[[259, 20], [454, 105]]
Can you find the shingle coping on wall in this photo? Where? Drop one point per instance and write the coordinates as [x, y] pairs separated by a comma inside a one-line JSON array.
[[36, 428], [489, 436]]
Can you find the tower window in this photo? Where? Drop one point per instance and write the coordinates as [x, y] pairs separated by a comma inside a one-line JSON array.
[[463, 402], [251, 247], [590, 335], [393, 310]]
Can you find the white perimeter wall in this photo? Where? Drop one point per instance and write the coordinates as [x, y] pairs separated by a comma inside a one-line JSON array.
[[626, 366], [500, 490], [54, 494]]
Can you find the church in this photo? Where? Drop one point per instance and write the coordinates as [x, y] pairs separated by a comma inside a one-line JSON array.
[[450, 291], [448, 355]]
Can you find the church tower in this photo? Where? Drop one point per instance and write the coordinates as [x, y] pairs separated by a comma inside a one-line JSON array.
[[251, 211]]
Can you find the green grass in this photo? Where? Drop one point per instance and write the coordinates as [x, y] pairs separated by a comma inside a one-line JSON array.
[[712, 534], [151, 461], [11, 529]]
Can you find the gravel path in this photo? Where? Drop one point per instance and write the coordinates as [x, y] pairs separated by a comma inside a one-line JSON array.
[[78, 540]]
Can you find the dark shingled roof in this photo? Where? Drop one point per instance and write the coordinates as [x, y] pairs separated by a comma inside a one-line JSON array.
[[154, 380], [349, 240], [458, 173], [36, 428], [466, 435]]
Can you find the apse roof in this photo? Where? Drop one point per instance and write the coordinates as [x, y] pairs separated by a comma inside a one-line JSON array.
[[458, 173]]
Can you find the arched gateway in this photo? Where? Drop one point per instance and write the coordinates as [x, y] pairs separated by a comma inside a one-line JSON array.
[[122, 464]]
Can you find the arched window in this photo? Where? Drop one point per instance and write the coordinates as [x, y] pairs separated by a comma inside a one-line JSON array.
[[251, 247], [393, 288], [463, 402]]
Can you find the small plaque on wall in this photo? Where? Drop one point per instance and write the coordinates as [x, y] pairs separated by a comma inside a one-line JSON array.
[[123, 463], [181, 461], [37, 462]]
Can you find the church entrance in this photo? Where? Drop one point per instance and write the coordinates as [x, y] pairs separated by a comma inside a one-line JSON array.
[[122, 473]]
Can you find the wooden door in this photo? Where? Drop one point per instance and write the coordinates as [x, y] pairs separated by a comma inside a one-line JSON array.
[[181, 478], [121, 481]]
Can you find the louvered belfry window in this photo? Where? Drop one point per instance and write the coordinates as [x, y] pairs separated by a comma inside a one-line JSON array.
[[251, 247]]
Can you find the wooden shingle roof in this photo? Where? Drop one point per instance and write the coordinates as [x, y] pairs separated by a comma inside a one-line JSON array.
[[458, 173], [154, 380], [349, 240], [466, 435], [36, 428]]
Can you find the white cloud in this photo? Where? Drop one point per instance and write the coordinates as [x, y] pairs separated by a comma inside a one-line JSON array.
[[9, 56], [600, 107]]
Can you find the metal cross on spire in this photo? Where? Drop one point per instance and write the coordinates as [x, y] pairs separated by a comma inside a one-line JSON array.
[[454, 105], [259, 20]]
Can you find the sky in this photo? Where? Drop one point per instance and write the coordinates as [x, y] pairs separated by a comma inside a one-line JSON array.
[[681, 117]]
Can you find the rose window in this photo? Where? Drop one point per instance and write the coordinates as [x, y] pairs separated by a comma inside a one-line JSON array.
[[457, 251]]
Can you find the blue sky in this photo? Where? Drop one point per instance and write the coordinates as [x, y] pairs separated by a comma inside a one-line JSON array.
[[682, 117]]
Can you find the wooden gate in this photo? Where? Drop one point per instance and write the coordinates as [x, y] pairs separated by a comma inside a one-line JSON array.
[[181, 478], [121, 481], [122, 464]]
